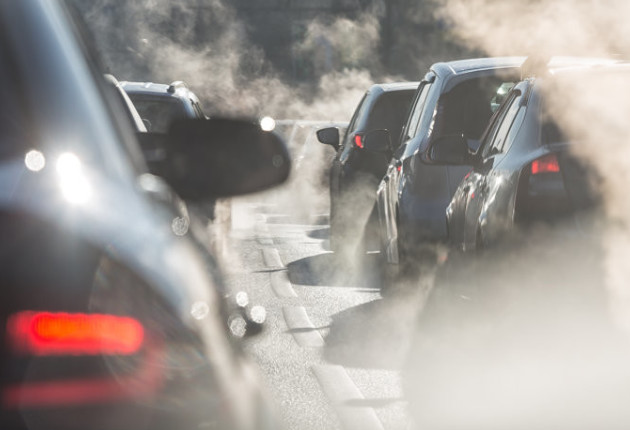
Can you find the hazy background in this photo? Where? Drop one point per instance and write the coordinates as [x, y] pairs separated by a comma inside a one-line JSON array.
[[299, 59]]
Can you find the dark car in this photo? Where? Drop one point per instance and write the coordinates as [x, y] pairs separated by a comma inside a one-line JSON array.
[[524, 171], [355, 172], [454, 98], [160, 104], [109, 310], [530, 333]]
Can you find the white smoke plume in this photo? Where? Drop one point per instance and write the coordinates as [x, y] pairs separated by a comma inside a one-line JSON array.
[[531, 335]]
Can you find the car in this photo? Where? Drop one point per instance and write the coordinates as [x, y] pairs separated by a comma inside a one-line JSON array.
[[454, 98], [132, 113], [110, 313], [526, 328], [524, 171], [355, 172], [160, 104]]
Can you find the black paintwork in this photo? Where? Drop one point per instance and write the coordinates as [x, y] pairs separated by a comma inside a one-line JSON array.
[[355, 172]]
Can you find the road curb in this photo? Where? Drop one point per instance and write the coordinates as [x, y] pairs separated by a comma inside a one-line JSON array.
[[340, 389], [301, 327], [281, 285]]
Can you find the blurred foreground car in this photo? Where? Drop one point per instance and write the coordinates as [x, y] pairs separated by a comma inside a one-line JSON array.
[[355, 172], [109, 312], [454, 98]]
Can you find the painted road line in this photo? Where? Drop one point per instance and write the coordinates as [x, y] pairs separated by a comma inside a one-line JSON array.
[[281, 285], [340, 389], [271, 258], [301, 327]]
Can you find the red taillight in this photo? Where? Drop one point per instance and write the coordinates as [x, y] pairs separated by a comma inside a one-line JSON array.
[[47, 333], [399, 167], [546, 164], [358, 140]]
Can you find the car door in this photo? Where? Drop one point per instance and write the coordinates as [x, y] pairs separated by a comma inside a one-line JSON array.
[[392, 177], [487, 178], [335, 168]]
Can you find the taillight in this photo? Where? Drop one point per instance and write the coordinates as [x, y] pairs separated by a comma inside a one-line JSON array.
[[48, 333], [546, 164], [358, 140]]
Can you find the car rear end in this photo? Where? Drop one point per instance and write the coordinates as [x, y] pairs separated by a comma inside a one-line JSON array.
[[88, 343], [109, 315]]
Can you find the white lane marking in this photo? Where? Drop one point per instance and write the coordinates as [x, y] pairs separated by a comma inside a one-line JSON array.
[[271, 258], [301, 327], [281, 285], [340, 389]]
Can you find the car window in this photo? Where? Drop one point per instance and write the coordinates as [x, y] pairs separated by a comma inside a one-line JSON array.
[[468, 107], [500, 128], [358, 113], [389, 113], [414, 119], [501, 94], [514, 127], [159, 111]]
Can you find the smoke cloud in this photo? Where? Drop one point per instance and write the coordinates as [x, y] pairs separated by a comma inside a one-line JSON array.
[[534, 334]]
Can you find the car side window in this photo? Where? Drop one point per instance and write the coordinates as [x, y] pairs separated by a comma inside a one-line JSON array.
[[516, 125], [353, 122], [414, 119], [496, 138]]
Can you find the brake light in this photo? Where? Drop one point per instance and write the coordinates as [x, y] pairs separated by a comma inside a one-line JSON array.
[[48, 333], [546, 164], [358, 140]]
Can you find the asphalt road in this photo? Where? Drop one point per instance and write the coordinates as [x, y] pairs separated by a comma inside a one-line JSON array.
[[333, 347]]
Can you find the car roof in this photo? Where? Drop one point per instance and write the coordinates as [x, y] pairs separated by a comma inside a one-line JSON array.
[[592, 68], [144, 87], [458, 67], [397, 86], [177, 89]]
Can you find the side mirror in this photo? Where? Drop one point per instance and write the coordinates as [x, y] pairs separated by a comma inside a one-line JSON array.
[[329, 136], [378, 141], [213, 158], [450, 149]]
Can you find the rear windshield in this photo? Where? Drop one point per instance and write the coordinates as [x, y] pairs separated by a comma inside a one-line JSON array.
[[468, 107], [158, 112], [390, 113]]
